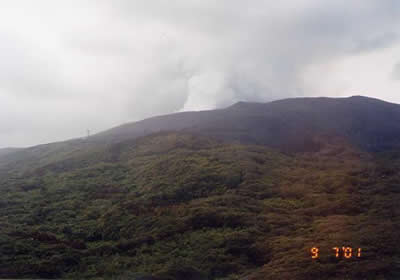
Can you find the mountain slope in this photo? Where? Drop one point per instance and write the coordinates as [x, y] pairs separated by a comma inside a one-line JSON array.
[[208, 201], [175, 204]]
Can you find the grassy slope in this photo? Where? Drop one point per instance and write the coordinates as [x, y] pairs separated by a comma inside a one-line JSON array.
[[183, 207]]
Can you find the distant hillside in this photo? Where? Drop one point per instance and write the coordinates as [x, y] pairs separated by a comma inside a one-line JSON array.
[[289, 124]]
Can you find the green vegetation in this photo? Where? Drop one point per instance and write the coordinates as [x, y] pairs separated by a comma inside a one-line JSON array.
[[179, 206]]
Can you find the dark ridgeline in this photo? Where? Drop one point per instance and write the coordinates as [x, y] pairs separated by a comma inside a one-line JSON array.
[[370, 123]]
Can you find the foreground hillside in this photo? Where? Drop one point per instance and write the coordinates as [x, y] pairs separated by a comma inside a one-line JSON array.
[[182, 206]]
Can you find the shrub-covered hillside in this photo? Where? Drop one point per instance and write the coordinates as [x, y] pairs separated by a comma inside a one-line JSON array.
[[179, 206]]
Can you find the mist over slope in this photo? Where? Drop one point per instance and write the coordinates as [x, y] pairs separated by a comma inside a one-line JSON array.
[[5, 151]]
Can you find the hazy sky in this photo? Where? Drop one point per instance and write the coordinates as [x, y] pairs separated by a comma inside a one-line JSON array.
[[69, 65]]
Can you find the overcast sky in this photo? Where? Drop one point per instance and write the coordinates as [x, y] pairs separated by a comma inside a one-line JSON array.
[[69, 65]]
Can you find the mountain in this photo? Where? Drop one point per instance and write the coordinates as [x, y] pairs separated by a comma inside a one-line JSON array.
[[290, 125], [287, 124], [238, 193]]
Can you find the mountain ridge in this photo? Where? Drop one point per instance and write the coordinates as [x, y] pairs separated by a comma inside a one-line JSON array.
[[282, 119], [290, 125], [142, 129]]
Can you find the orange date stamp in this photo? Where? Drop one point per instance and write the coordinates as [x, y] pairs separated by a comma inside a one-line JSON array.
[[338, 252]]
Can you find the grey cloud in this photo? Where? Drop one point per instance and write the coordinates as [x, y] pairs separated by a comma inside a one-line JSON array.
[[396, 71], [381, 41]]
